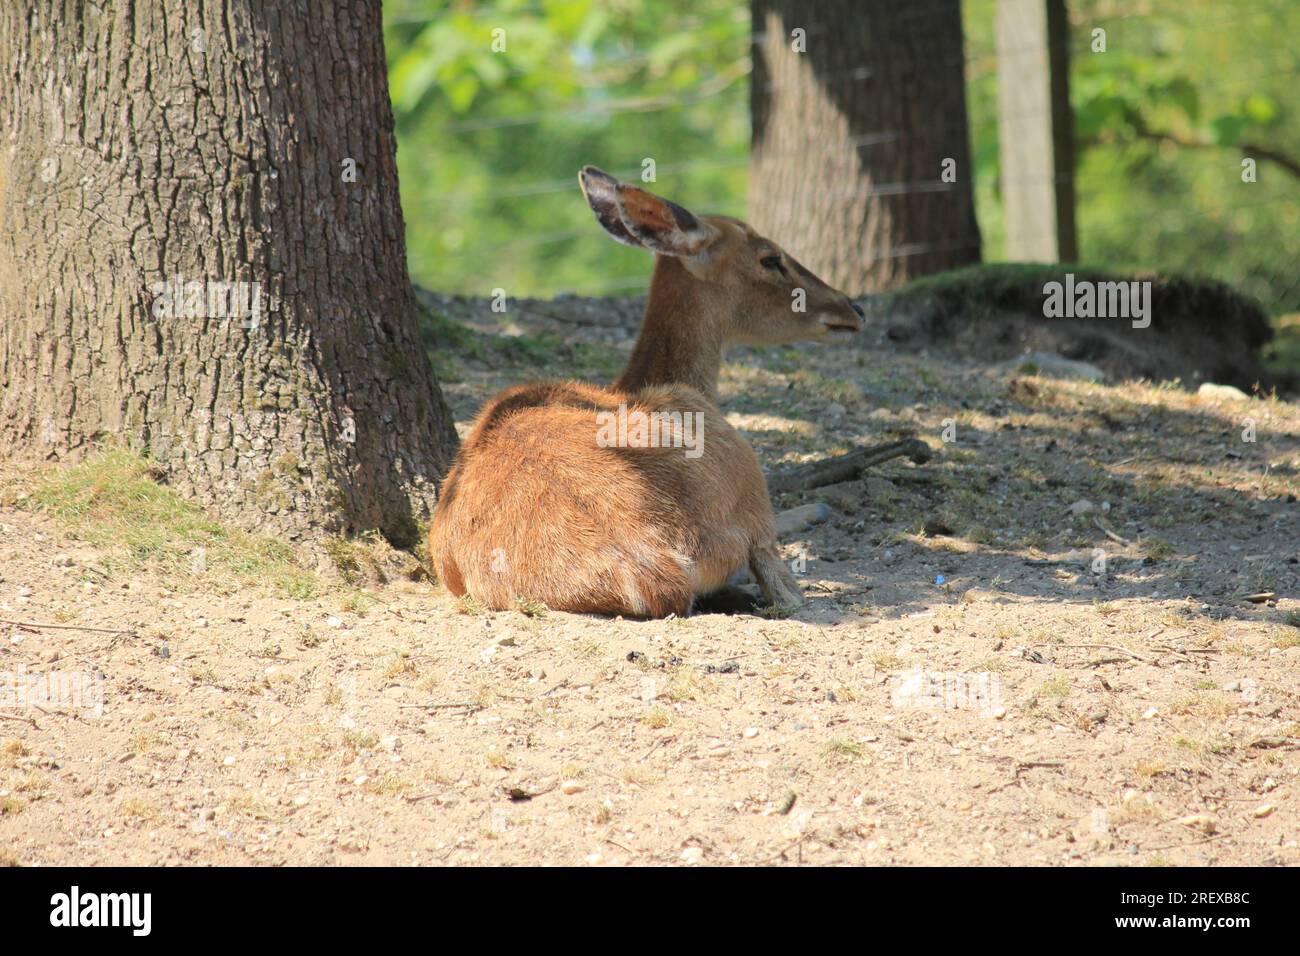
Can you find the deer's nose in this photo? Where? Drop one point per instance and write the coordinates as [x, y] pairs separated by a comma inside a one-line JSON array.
[[858, 309]]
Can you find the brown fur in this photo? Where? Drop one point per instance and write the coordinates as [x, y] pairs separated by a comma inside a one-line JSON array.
[[558, 519], [535, 509]]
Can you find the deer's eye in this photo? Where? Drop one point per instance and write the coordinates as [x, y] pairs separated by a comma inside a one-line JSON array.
[[771, 262]]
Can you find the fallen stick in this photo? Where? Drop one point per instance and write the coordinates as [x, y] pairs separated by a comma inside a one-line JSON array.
[[467, 705], [798, 519], [1174, 846], [780, 854], [32, 625], [1026, 765], [1102, 647], [828, 471], [1111, 534]]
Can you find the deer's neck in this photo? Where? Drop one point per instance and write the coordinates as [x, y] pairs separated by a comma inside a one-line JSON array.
[[681, 334]]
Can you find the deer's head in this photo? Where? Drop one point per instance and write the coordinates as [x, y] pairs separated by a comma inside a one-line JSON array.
[[758, 292]]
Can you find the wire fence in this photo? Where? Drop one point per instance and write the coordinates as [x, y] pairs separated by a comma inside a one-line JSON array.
[[1106, 230]]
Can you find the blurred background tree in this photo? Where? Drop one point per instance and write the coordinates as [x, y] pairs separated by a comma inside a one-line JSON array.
[[1214, 71], [490, 142], [860, 161]]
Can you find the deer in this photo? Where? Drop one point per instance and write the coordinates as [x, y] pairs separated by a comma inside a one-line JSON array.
[[554, 498]]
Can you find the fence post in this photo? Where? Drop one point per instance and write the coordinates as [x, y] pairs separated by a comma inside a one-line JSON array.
[[1035, 134]]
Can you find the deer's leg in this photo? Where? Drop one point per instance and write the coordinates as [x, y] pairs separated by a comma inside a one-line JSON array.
[[774, 578]]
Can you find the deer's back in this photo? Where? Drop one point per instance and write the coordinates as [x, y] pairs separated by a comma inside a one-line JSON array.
[[539, 505]]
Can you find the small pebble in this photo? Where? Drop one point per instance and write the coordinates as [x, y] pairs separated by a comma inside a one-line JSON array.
[[1200, 821]]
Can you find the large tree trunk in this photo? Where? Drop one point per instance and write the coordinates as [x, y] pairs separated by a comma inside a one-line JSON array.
[[212, 142], [850, 138]]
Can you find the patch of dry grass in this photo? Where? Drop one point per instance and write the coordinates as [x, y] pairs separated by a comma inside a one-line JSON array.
[[657, 718], [843, 751], [138, 809], [114, 500], [12, 751]]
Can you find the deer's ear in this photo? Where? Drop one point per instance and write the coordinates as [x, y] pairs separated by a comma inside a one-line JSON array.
[[661, 225], [638, 218], [601, 190]]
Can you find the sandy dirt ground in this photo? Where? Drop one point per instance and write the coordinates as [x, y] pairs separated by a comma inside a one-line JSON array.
[[1071, 639]]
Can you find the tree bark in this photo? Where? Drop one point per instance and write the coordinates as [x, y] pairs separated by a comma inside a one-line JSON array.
[[850, 138], [144, 142]]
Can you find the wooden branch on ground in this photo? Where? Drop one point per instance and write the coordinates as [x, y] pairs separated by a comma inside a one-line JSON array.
[[828, 471], [37, 626]]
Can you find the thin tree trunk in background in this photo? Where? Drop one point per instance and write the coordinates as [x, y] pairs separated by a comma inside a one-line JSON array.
[[1036, 130], [850, 138], [210, 142]]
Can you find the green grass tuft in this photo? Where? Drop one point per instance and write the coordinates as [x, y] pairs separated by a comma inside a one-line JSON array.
[[113, 501], [451, 344]]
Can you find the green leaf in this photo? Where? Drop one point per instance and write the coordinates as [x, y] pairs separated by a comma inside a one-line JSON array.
[[1261, 109], [1103, 112], [670, 49], [461, 91], [410, 79], [1226, 130], [491, 69], [1183, 95]]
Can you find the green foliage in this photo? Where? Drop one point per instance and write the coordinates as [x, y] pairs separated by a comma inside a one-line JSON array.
[[1162, 120], [1282, 355], [491, 142], [452, 346]]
